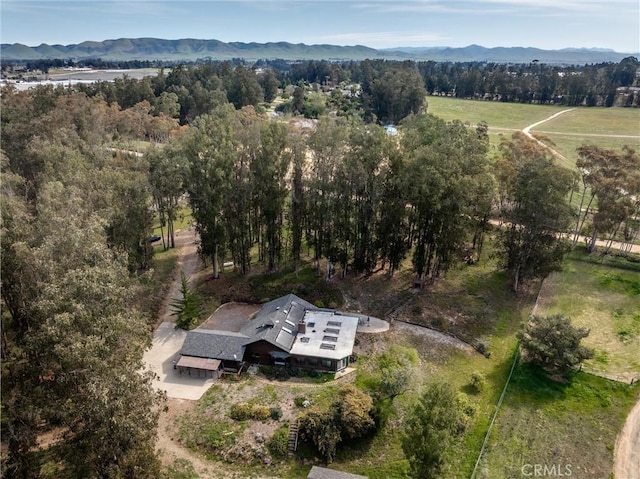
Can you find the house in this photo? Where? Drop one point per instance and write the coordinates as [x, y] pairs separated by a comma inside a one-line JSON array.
[[287, 331], [325, 473]]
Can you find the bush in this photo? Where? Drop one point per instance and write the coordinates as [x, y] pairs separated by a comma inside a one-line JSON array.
[[478, 382], [278, 445], [300, 401], [275, 413], [244, 411]]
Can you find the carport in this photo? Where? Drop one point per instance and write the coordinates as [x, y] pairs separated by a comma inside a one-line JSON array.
[[210, 367]]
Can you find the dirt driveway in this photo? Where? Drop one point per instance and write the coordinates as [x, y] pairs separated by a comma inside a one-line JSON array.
[[167, 341]]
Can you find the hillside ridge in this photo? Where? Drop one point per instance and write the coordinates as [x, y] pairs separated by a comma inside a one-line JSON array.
[[188, 49]]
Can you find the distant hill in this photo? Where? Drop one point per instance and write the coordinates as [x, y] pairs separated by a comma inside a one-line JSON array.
[[193, 49], [473, 53]]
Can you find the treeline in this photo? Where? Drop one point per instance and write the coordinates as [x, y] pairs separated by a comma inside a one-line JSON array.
[[604, 84], [578, 85]]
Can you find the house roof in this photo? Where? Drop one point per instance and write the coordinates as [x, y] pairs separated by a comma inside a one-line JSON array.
[[212, 343], [277, 321], [317, 472], [329, 335], [199, 363]]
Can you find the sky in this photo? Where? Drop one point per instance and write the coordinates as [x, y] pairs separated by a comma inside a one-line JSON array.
[[547, 24]]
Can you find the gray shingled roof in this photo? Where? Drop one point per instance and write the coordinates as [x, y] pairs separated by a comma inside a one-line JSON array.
[[211, 343], [277, 321], [324, 473]]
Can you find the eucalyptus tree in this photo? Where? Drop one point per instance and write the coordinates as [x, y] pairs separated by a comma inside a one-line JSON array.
[[392, 226], [538, 213], [209, 154], [239, 205], [78, 363], [449, 199], [326, 150], [612, 179], [365, 159], [269, 168], [297, 206], [167, 171]]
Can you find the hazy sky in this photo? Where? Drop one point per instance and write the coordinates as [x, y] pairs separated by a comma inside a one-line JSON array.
[[549, 24]]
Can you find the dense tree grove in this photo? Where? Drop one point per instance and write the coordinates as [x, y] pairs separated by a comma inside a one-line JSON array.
[[74, 221]]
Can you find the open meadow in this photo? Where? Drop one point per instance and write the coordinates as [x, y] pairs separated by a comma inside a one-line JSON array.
[[610, 128]]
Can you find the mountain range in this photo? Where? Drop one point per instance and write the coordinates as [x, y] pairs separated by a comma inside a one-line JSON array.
[[193, 49]]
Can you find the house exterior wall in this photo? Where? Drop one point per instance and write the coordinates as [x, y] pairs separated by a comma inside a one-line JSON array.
[[259, 353]]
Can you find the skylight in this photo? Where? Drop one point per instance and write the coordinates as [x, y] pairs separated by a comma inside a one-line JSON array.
[[334, 323], [328, 346]]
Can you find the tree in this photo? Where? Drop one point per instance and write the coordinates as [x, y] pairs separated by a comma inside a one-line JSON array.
[[347, 417], [167, 171], [450, 203], [79, 364], [188, 308], [613, 178], [269, 83], [432, 425], [398, 93], [209, 152], [538, 213], [553, 343]]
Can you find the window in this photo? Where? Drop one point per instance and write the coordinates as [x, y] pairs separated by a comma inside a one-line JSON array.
[[312, 361], [326, 363]]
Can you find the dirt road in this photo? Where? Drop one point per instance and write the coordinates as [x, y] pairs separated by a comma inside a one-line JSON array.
[[626, 462]]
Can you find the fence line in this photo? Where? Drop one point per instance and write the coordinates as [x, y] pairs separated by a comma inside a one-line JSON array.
[[495, 413]]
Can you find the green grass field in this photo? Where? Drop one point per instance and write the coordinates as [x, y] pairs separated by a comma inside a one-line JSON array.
[[570, 426], [606, 127], [607, 301]]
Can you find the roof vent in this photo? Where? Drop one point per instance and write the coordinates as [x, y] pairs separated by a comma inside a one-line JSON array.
[[304, 339]]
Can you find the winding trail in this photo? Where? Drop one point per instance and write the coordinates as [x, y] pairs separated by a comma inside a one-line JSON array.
[[527, 131]]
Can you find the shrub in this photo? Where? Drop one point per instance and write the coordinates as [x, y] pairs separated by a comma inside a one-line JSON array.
[[244, 411], [478, 382], [275, 413], [278, 445], [299, 401]]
